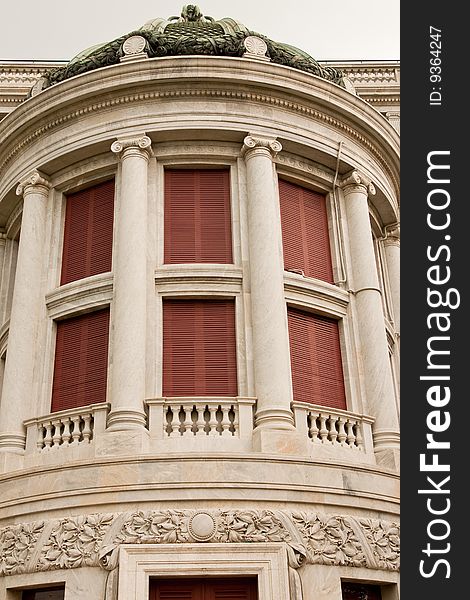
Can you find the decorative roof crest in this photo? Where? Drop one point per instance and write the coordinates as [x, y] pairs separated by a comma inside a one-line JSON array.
[[191, 13]]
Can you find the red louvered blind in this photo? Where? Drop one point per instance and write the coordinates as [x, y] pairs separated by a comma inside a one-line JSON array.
[[199, 349], [317, 372], [208, 589], [360, 591], [197, 216], [81, 361], [305, 239], [88, 233]]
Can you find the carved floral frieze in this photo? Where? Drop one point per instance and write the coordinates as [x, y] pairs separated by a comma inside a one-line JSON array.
[[94, 540]]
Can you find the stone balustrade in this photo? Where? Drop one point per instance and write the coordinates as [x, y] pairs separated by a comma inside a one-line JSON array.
[[198, 424], [189, 420], [333, 431], [74, 427]]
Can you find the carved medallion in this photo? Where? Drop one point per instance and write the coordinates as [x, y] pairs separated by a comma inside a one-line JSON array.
[[134, 45], [255, 45], [202, 526]]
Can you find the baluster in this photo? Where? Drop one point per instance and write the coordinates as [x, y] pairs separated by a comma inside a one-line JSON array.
[[175, 423], [235, 425], [359, 439], [188, 422], [341, 432], [48, 436], [167, 421], [86, 433], [313, 429], [200, 422], [40, 440], [333, 434], [323, 429], [225, 421], [213, 423], [76, 433], [351, 438], [56, 437], [66, 435]]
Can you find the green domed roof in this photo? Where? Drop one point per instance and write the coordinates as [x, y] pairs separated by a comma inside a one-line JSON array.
[[191, 34]]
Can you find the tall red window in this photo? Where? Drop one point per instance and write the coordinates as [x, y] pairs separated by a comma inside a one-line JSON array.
[[81, 361], [197, 216], [199, 348], [305, 238], [88, 233], [317, 372]]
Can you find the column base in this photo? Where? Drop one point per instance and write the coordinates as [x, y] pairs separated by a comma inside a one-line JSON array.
[[11, 458], [123, 443], [275, 419], [387, 449], [125, 419], [275, 441]]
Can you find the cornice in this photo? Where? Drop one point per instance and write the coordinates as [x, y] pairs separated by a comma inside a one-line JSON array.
[[228, 94]]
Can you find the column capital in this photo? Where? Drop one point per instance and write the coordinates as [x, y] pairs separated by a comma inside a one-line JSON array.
[[138, 145], [36, 183], [392, 235], [356, 181], [259, 144]]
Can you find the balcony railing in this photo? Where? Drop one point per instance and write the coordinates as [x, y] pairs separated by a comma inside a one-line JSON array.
[[190, 422], [203, 424], [334, 432], [67, 429]]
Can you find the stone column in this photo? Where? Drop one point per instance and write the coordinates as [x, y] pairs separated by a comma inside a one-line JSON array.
[[380, 395], [3, 243], [392, 257], [271, 357], [129, 311], [28, 299]]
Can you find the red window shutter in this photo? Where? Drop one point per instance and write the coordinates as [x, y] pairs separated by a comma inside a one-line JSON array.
[[81, 361], [305, 238], [88, 233], [197, 216], [360, 591], [199, 348], [317, 372], [208, 589]]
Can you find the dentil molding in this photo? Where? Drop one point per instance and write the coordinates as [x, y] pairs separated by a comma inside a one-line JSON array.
[[94, 540]]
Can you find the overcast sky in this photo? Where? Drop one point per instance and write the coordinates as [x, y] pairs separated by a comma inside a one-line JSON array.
[[328, 30]]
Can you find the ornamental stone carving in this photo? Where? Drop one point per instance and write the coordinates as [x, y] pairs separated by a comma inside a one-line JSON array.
[[139, 145], [134, 48], [356, 181], [202, 526], [392, 235], [17, 544], [256, 143], [256, 48], [134, 45], [34, 182], [94, 540]]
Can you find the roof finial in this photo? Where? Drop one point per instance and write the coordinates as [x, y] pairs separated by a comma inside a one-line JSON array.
[[191, 12]]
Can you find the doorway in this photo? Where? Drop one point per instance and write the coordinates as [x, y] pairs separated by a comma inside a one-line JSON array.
[[234, 588]]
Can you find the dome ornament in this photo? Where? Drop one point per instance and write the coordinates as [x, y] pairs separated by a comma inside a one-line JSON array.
[[256, 48], [191, 13], [134, 48]]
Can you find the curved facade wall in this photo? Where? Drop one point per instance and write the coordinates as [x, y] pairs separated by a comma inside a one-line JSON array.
[[150, 485]]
